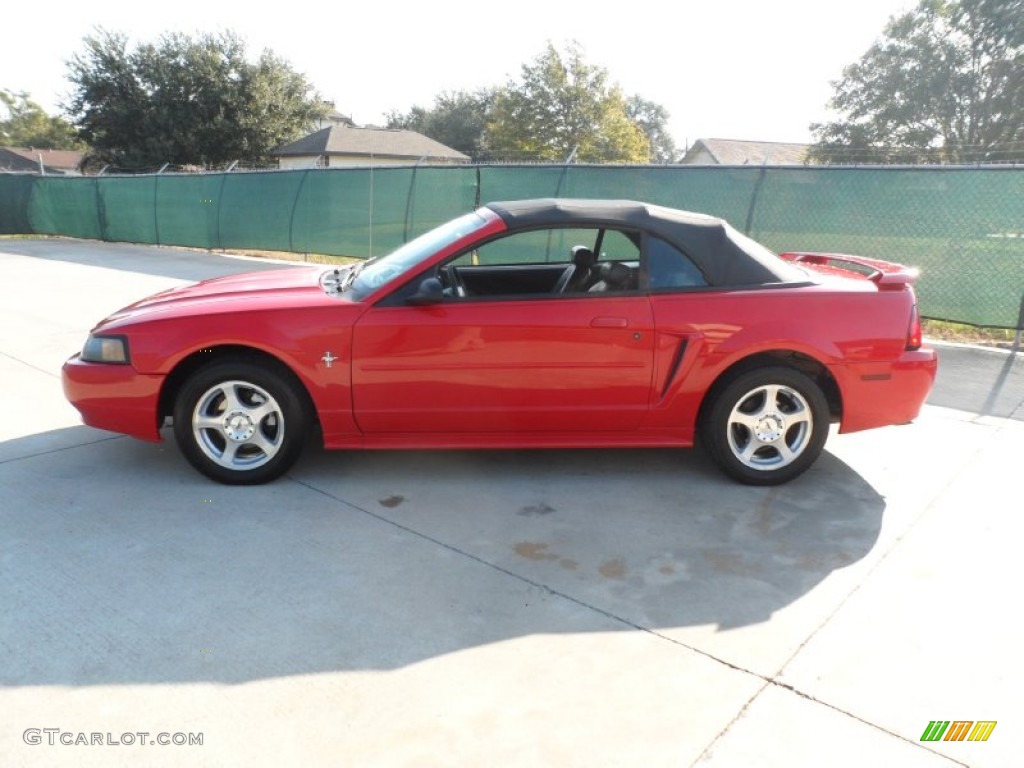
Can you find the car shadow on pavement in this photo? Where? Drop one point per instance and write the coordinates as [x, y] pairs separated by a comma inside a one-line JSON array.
[[123, 565]]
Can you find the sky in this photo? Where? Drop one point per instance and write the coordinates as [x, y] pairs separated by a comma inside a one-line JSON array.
[[732, 69]]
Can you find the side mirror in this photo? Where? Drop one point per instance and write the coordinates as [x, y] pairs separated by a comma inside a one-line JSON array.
[[430, 291]]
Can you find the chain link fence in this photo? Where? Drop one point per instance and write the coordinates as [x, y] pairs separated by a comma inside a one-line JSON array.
[[963, 226]]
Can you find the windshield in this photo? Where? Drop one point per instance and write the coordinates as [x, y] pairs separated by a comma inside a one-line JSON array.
[[372, 274]]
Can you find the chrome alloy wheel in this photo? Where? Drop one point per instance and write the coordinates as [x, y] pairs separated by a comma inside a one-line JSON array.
[[769, 427], [238, 425]]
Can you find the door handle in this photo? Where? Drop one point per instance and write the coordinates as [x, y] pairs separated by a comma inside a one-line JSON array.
[[609, 322]]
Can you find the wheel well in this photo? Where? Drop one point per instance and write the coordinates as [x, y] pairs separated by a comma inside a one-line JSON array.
[[788, 358], [189, 365]]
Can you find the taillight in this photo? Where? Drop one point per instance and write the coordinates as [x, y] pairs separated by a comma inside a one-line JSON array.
[[914, 331]]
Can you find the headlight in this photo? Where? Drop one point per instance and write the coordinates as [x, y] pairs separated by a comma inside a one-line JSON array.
[[105, 349]]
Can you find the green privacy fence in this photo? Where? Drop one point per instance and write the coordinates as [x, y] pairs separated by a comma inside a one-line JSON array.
[[964, 227], [352, 212]]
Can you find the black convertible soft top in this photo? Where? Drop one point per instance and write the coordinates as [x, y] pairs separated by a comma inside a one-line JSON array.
[[726, 257]]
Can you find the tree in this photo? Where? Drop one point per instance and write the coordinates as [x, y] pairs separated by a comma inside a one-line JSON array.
[[185, 100], [564, 107], [944, 83], [652, 119], [27, 125], [458, 119]]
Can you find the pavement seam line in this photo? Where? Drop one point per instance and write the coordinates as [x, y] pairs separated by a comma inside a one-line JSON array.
[[728, 726], [885, 556], [62, 448], [833, 707], [29, 365], [871, 571], [529, 581], [767, 680], [1018, 409]]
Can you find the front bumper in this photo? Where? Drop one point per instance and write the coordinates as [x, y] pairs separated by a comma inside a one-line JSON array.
[[114, 397]]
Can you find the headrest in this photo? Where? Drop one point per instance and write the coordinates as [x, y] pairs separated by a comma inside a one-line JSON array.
[[583, 256]]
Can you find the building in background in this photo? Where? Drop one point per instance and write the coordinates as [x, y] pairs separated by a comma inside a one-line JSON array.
[[333, 117], [348, 145], [55, 162], [735, 152]]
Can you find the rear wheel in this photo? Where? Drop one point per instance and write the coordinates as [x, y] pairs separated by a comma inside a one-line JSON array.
[[241, 422], [767, 426]]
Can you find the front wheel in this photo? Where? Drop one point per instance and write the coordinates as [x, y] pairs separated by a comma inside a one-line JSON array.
[[241, 422], [767, 426]]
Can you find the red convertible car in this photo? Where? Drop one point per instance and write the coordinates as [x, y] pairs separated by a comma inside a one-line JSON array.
[[525, 324]]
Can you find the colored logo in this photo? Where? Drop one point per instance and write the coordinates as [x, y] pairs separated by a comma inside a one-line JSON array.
[[958, 730]]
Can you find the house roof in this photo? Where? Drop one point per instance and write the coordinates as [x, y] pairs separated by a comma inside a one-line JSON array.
[[27, 159], [367, 142], [336, 117], [736, 152], [332, 117]]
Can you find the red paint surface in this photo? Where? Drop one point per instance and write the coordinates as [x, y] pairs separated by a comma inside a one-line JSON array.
[[561, 371]]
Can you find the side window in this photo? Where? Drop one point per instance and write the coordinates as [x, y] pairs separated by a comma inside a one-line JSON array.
[[668, 267], [539, 246], [556, 262], [620, 246], [541, 263]]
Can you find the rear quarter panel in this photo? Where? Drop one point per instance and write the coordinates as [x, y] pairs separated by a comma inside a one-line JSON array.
[[857, 332]]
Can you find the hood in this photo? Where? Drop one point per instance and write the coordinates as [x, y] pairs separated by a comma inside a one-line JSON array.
[[270, 289]]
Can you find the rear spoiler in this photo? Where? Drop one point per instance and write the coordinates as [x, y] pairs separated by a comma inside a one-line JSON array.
[[887, 275]]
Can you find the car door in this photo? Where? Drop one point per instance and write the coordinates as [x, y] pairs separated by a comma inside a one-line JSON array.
[[535, 363]]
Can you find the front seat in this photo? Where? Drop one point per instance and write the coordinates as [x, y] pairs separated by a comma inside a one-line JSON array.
[[612, 276], [578, 275]]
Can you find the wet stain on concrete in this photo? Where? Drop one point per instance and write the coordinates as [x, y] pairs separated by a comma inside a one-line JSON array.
[[726, 562], [613, 569], [667, 570], [569, 565], [534, 550], [391, 501], [731, 563], [536, 510]]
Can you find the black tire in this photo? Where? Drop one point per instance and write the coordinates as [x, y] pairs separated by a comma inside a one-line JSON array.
[[241, 422], [766, 426]]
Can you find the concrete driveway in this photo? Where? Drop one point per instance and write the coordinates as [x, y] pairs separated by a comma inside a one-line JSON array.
[[591, 608]]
